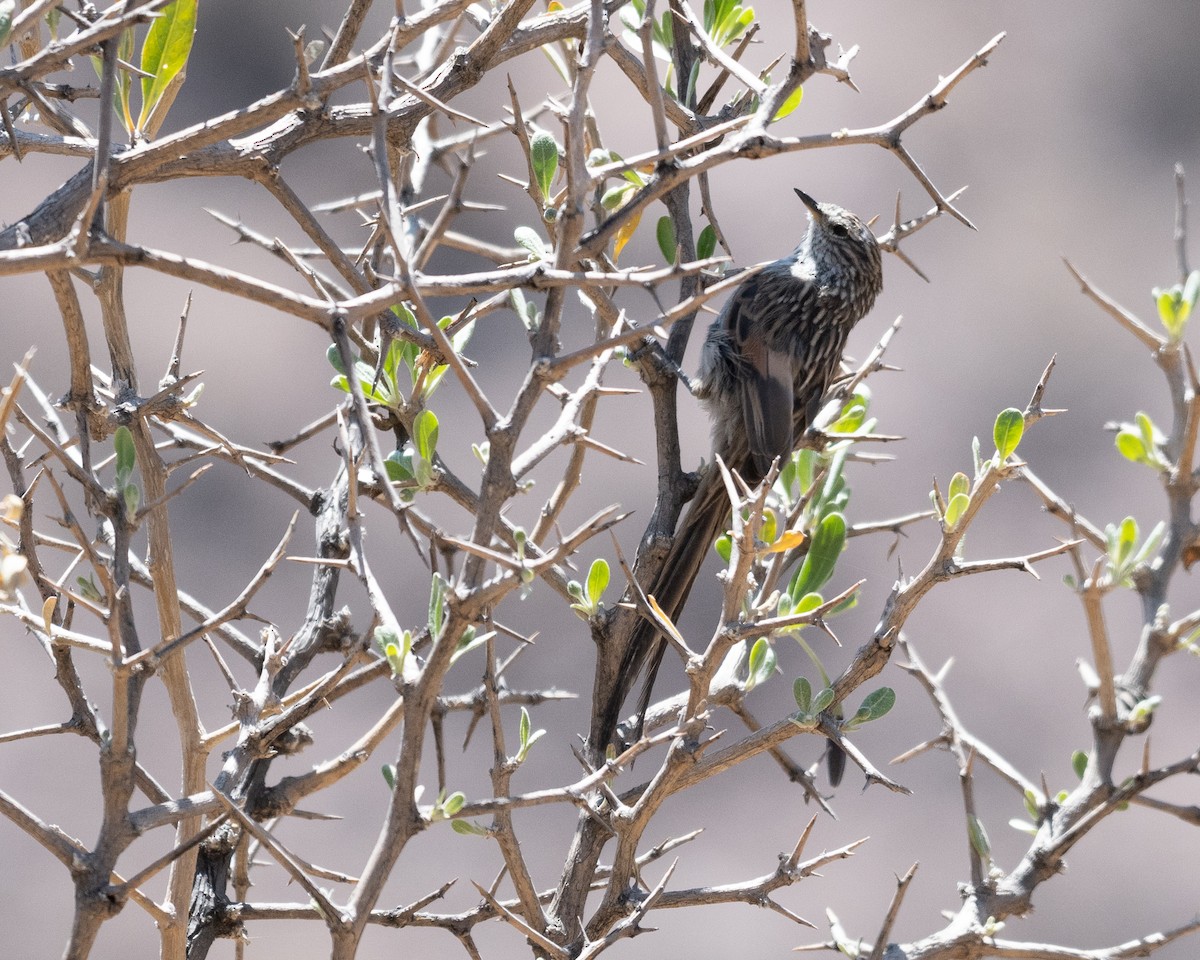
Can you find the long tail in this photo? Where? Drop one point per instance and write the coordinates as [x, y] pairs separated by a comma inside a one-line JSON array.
[[703, 522], [701, 525]]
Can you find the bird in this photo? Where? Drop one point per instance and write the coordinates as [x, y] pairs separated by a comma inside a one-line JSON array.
[[766, 364]]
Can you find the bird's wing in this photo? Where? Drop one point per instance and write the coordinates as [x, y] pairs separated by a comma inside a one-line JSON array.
[[767, 384]]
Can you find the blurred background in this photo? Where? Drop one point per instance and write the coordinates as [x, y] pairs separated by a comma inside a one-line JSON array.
[[1067, 141]]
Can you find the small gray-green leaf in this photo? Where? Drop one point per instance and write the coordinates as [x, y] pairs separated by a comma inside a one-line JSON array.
[[706, 244], [437, 605], [1010, 425], [979, 838], [126, 456], [822, 700], [334, 356], [1079, 762], [878, 703], [133, 497], [543, 153], [802, 691], [529, 238]]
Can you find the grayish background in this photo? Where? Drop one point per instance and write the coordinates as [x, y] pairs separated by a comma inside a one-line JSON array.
[[1067, 140]]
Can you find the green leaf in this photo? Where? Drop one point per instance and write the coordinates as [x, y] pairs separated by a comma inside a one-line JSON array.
[[88, 589], [665, 234], [1121, 545], [1174, 307], [531, 240], [395, 648], [468, 828], [543, 154], [849, 603], [126, 455], [399, 467], [1151, 436], [1130, 446], [528, 739], [822, 700], [426, 429], [706, 244], [724, 547], [789, 105], [389, 775], [1143, 710], [165, 54], [762, 663], [1151, 543], [853, 414], [802, 692], [959, 484], [402, 313], [132, 496], [979, 838], [955, 509], [453, 803], [810, 601], [823, 553], [437, 605], [615, 197], [876, 704], [462, 336], [597, 581], [469, 640], [1010, 425], [396, 350], [770, 526], [1079, 762], [334, 356]]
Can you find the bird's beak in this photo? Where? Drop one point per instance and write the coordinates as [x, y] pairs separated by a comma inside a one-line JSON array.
[[810, 203]]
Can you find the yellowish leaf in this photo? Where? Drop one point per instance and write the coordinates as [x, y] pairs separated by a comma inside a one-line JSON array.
[[787, 541], [625, 233], [48, 613], [664, 621]]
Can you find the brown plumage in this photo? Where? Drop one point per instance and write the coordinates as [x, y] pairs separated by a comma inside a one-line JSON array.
[[766, 364]]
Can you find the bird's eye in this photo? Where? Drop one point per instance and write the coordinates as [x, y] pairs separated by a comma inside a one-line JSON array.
[[838, 229]]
